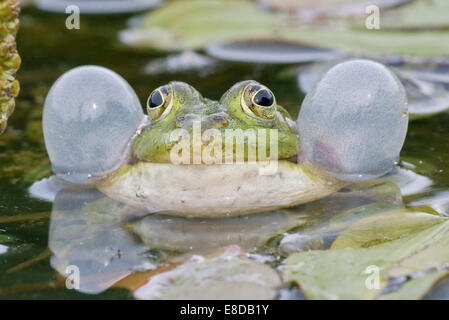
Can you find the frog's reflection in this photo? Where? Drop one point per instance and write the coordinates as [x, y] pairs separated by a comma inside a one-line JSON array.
[[85, 232], [108, 240]]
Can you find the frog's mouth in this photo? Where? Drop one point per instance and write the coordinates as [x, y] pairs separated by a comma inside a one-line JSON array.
[[132, 160], [294, 159]]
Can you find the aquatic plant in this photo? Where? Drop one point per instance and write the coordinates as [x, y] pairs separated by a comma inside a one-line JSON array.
[[9, 59]]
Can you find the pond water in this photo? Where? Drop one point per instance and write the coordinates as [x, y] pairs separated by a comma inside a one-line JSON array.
[[38, 239]]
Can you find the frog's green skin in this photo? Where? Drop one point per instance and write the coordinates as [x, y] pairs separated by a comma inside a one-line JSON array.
[[154, 145], [150, 179]]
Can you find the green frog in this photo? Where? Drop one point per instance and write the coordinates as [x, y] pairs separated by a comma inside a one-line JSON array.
[[195, 157]]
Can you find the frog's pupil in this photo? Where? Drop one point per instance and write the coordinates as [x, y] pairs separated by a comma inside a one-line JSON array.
[[155, 99], [264, 98]]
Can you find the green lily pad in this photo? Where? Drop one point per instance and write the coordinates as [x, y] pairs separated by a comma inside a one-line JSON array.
[[418, 15], [201, 23], [416, 288], [226, 274], [329, 8], [423, 43], [342, 273], [384, 227], [194, 24]]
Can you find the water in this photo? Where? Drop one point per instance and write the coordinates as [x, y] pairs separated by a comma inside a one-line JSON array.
[[36, 236]]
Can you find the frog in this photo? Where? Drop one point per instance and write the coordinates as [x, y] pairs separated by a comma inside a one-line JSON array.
[[194, 157]]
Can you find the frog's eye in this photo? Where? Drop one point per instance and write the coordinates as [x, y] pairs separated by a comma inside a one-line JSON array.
[[159, 103], [259, 102]]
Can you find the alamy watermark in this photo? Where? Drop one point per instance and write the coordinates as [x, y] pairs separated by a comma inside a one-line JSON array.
[[372, 22], [227, 146], [73, 20], [72, 280], [372, 282]]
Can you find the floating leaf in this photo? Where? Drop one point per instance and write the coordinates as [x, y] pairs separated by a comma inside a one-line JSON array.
[[98, 6], [349, 271], [194, 24], [420, 43], [201, 23], [384, 227], [313, 9], [418, 15], [268, 51], [226, 274], [416, 288], [439, 291]]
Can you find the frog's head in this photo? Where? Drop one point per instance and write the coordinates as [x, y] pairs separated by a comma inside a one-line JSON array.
[[352, 124], [179, 113]]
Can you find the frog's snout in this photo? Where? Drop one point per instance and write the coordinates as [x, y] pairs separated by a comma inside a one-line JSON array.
[[215, 120], [354, 122]]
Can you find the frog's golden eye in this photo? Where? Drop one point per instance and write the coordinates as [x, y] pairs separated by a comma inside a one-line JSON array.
[[259, 102], [159, 103]]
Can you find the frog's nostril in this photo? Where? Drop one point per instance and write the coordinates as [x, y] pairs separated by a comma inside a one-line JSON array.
[[220, 119], [180, 121]]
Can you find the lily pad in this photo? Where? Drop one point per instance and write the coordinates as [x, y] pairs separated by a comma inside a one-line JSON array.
[[419, 43], [338, 212], [226, 274], [98, 6], [198, 24], [329, 8], [343, 273], [416, 288], [439, 291], [384, 227], [195, 24], [418, 15], [268, 51]]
